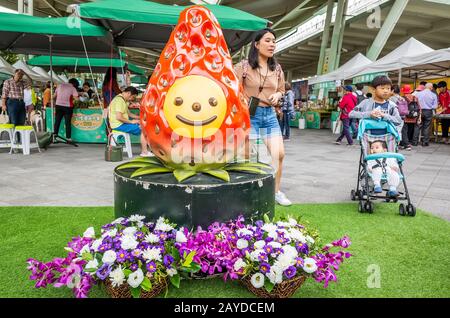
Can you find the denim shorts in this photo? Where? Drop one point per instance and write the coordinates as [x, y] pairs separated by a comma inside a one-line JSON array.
[[133, 129], [264, 124]]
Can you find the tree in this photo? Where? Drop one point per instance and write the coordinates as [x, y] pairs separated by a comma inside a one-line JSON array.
[[11, 58]]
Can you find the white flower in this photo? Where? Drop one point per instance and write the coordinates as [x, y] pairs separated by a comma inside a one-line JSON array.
[[181, 238], [130, 231], [297, 235], [254, 255], [275, 275], [309, 265], [239, 264], [136, 218], [269, 227], [275, 244], [164, 227], [257, 280], [260, 244], [151, 254], [171, 272], [243, 232], [117, 276], [92, 264], [136, 278], [140, 224], [109, 257], [241, 244], [96, 244], [290, 251], [284, 224], [129, 242], [273, 234], [90, 233], [117, 221], [110, 233], [85, 249], [292, 222], [284, 261], [310, 239], [151, 238]]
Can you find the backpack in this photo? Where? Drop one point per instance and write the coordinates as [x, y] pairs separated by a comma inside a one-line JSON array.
[[359, 98], [413, 109], [403, 107]]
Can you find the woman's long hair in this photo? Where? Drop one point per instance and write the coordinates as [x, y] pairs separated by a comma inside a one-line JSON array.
[[110, 73], [254, 52]]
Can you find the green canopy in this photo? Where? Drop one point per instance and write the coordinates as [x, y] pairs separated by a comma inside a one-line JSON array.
[[139, 79], [82, 64], [26, 34], [140, 23]]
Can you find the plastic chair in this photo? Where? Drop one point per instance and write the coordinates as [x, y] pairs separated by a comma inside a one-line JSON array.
[[115, 137], [9, 129], [25, 144]]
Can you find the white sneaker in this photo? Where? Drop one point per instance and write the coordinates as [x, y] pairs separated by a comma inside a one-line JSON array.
[[281, 199]]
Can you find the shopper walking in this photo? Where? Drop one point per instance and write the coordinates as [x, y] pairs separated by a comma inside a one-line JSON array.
[[428, 103], [347, 103]]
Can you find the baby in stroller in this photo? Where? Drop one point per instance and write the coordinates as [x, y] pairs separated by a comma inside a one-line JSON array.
[[380, 164], [385, 166]]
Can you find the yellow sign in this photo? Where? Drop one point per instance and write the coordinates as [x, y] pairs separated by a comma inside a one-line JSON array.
[[87, 122]]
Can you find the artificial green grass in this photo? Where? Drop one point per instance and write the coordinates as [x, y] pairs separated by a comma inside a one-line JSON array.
[[411, 252]]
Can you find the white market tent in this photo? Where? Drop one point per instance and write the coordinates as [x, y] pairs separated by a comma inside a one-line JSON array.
[[343, 71], [41, 72], [5, 67], [430, 65], [63, 78], [56, 78], [34, 76], [395, 60]]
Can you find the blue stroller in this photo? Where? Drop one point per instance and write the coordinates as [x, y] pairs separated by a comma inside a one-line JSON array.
[[365, 188]]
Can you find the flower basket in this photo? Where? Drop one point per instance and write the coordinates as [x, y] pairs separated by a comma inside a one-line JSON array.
[[285, 289], [123, 291]]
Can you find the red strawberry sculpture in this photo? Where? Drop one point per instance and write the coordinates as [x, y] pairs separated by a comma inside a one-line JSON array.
[[193, 112]]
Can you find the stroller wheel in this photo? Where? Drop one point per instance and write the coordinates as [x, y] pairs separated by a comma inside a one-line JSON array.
[[411, 210], [369, 207], [401, 209], [361, 208], [353, 195]]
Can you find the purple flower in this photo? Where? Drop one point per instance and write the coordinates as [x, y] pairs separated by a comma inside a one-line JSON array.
[[299, 262], [134, 267], [259, 223], [151, 267], [139, 235], [302, 248], [264, 268], [103, 272], [279, 251], [262, 257], [122, 256], [268, 249], [290, 272], [168, 260]]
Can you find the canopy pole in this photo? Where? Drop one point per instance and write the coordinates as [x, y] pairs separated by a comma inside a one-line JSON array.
[[52, 106], [399, 77]]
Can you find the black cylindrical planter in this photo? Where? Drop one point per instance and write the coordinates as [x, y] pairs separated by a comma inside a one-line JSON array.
[[200, 200]]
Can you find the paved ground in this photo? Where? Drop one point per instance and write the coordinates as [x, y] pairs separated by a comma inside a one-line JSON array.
[[315, 171]]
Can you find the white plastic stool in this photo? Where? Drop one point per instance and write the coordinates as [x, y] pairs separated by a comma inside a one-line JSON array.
[[115, 136], [9, 129], [38, 123], [25, 139]]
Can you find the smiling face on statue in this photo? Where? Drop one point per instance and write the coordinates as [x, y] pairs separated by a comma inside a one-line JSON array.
[[195, 107]]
